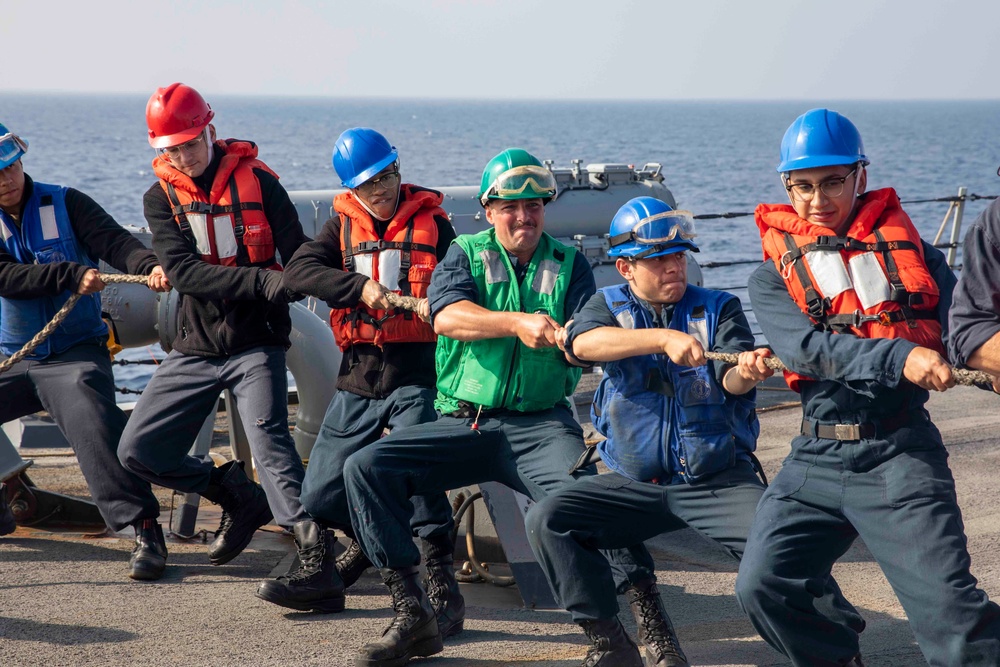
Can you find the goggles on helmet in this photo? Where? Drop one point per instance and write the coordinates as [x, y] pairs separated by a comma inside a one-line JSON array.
[[662, 229], [11, 148], [526, 182]]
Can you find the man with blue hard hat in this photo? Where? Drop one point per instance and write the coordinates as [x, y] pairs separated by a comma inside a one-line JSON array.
[[855, 304], [498, 301], [386, 236], [51, 238], [680, 431]]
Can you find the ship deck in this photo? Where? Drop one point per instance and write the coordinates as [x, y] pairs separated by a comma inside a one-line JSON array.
[[65, 599]]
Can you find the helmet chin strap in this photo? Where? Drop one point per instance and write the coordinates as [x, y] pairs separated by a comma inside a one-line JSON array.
[[372, 213]]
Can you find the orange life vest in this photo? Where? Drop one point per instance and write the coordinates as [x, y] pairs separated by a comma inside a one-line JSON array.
[[227, 225], [872, 282], [402, 261]]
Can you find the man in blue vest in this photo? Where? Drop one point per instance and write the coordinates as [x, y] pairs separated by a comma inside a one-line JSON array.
[[497, 301], [680, 431], [52, 237]]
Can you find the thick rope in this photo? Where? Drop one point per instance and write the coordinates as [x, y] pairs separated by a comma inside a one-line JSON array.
[[404, 302], [60, 315], [962, 376]]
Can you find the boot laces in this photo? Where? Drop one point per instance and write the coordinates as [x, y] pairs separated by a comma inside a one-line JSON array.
[[310, 562], [404, 605], [656, 631], [437, 585], [225, 524], [601, 645]]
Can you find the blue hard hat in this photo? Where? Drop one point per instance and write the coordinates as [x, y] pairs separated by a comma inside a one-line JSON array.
[[359, 154], [12, 147], [648, 227], [821, 138]]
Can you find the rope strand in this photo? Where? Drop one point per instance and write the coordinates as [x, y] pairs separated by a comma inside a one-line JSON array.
[[60, 315], [962, 376]]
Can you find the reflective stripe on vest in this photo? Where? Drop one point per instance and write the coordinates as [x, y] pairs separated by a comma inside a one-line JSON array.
[[402, 260], [872, 282], [503, 372], [44, 237], [227, 226], [665, 422]]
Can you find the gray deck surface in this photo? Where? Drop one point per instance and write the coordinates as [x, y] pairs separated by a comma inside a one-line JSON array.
[[65, 599]]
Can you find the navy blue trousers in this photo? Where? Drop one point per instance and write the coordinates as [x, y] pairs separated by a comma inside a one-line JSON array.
[[353, 422], [77, 388], [611, 511], [529, 452], [898, 494], [184, 391]]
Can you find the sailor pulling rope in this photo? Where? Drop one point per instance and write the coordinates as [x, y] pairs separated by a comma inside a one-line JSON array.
[[60, 315], [962, 376]]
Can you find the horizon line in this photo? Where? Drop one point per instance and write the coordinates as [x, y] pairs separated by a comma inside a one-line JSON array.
[[446, 98]]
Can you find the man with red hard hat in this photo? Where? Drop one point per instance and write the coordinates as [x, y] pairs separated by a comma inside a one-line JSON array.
[[219, 218]]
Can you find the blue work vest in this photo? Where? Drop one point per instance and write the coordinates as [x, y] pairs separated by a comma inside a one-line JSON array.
[[45, 237], [668, 423]]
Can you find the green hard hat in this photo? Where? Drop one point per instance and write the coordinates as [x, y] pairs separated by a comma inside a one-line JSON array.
[[516, 174]]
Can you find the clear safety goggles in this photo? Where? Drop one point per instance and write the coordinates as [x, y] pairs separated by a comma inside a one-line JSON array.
[[658, 229], [189, 146], [522, 183], [11, 146]]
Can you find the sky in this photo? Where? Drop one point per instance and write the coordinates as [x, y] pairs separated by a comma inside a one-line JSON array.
[[510, 49]]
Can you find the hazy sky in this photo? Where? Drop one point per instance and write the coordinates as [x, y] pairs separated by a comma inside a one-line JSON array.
[[538, 49]]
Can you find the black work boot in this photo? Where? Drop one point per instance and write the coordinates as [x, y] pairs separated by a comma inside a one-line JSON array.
[[352, 564], [315, 585], [149, 557], [442, 588], [656, 632], [446, 600], [7, 525], [413, 633], [244, 510], [612, 647]]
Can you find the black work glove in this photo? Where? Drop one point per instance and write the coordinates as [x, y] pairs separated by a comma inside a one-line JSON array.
[[270, 287]]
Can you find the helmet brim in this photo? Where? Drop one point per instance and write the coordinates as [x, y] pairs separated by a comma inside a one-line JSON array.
[[370, 172], [821, 161], [629, 250]]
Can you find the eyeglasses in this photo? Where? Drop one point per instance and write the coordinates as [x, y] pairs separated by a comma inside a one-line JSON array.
[[385, 181], [832, 187], [174, 152], [523, 182]]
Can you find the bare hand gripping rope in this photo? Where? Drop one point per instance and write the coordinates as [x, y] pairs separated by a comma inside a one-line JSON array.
[[60, 315], [962, 376]]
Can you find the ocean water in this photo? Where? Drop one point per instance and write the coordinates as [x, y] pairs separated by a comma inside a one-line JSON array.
[[717, 156]]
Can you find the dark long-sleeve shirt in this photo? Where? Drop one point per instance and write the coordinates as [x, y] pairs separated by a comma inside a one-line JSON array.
[[733, 334], [97, 234], [860, 379], [317, 269], [975, 313], [221, 308]]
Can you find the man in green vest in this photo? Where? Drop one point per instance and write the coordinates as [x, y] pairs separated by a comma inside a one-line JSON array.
[[499, 301]]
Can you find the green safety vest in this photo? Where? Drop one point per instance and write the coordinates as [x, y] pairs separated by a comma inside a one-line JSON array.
[[504, 372]]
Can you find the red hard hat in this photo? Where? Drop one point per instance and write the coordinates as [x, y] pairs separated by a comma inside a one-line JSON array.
[[176, 114]]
